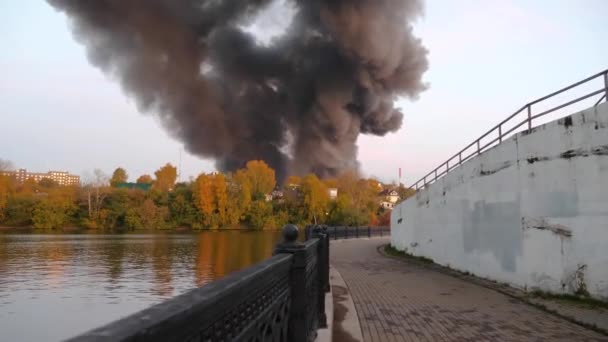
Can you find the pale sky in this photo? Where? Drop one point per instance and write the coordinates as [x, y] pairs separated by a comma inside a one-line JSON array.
[[487, 59]]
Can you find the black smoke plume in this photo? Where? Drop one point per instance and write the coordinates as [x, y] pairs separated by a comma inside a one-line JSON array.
[[298, 102]]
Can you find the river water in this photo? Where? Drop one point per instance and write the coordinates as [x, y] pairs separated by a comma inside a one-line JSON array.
[[55, 286]]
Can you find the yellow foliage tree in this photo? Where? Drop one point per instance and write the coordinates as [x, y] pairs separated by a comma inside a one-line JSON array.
[[165, 177], [145, 179], [261, 178], [204, 197], [316, 198], [221, 198]]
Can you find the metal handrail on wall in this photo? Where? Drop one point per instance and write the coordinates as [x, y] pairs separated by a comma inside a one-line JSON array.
[[462, 155]]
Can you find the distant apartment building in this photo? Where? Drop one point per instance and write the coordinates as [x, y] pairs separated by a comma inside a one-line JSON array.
[[60, 177]]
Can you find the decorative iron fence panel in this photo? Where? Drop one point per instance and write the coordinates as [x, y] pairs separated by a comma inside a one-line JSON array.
[[248, 305], [278, 300]]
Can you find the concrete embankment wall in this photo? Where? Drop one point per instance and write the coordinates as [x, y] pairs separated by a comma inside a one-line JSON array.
[[531, 212]]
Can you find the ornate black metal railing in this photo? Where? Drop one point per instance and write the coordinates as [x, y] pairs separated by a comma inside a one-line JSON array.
[[344, 232], [269, 301]]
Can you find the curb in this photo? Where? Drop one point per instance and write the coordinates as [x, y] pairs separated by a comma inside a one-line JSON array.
[[346, 325]]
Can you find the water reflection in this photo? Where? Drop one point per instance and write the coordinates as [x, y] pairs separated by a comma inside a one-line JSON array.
[[55, 286]]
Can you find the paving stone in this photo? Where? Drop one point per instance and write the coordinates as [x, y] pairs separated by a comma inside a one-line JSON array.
[[400, 301]]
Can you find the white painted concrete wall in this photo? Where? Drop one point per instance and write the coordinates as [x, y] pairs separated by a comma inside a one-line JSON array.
[[531, 212]]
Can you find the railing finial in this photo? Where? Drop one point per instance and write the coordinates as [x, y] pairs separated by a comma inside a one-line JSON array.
[[290, 233]]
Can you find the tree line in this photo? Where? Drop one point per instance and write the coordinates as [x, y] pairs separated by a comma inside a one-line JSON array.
[[248, 198]]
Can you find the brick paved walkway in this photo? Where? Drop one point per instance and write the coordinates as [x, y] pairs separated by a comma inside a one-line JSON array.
[[400, 301]]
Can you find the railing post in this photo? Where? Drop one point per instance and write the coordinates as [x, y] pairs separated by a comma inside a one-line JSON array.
[[435, 175], [459, 158], [307, 232], [297, 283], [323, 271], [357, 231], [369, 231], [478, 147], [606, 86], [529, 118], [500, 133]]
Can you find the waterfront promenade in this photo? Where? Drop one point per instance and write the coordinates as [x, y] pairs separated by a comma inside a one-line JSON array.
[[398, 300]]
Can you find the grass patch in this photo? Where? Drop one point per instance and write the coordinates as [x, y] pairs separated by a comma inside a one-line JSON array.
[[572, 299], [392, 251]]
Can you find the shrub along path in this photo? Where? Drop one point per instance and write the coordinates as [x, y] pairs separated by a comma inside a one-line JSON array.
[[398, 300]]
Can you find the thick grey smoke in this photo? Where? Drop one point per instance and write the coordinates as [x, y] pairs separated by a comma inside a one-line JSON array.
[[299, 102]]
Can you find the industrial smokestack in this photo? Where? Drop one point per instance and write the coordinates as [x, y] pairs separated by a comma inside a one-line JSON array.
[[298, 102]]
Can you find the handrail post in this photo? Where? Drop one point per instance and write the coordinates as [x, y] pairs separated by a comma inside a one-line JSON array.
[[435, 174], [459, 157], [606, 86], [529, 118], [320, 233], [297, 283], [500, 133], [478, 147]]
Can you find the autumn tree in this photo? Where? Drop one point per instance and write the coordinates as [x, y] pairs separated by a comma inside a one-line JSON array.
[[204, 197], [95, 192], [244, 189], [47, 183], [315, 198], [147, 215], [6, 191], [165, 177], [260, 213], [145, 179], [405, 192], [261, 177], [55, 210], [220, 195], [119, 176]]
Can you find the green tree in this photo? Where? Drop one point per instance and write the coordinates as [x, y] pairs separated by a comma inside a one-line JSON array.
[[182, 211], [165, 177], [260, 213], [119, 176], [146, 216], [19, 210], [52, 213]]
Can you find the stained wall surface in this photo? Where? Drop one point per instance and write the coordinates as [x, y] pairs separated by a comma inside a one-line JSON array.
[[532, 211]]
